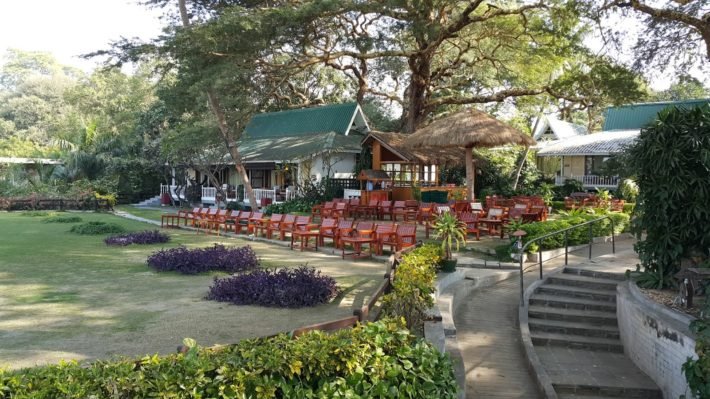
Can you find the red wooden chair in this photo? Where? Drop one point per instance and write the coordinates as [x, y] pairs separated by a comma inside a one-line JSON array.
[[291, 227], [186, 215], [384, 208], [242, 222], [406, 236], [276, 222], [345, 228], [255, 220], [385, 234], [352, 208], [617, 205], [327, 210], [470, 219], [340, 211], [327, 229], [570, 203], [303, 232], [370, 210]]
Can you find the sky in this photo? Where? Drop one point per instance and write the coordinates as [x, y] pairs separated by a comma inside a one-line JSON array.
[[68, 28]]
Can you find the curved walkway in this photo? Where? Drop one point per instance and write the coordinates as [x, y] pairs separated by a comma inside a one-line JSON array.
[[489, 338]]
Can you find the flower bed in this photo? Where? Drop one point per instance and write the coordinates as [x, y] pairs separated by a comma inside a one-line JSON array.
[[140, 237], [284, 288], [215, 258], [375, 360]]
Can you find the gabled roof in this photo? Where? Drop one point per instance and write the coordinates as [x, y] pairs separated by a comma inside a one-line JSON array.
[[395, 143], [604, 143], [559, 130], [338, 118], [297, 148], [637, 116]]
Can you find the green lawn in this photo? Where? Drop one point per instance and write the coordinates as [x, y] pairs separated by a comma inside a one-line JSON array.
[[68, 296], [147, 213]]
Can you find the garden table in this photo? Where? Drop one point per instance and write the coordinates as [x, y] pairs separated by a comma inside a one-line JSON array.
[[493, 225], [170, 221], [357, 244]]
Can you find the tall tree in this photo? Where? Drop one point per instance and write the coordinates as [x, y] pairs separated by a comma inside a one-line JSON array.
[[675, 31]]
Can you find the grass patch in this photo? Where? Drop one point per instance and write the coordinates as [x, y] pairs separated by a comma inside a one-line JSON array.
[[35, 214], [146, 213], [70, 296], [96, 228], [62, 219]]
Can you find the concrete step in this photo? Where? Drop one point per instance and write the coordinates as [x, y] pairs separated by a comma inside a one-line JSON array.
[[582, 396], [594, 317], [583, 281], [541, 338], [574, 328], [565, 302], [607, 391], [578, 292], [594, 273]]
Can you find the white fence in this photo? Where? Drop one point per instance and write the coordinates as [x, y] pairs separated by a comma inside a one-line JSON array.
[[209, 194], [591, 180]]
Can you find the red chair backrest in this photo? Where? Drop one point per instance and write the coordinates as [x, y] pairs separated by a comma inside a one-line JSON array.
[[345, 224], [288, 219], [364, 226], [373, 202], [257, 215], [302, 220], [385, 228], [276, 218], [398, 204], [328, 223]]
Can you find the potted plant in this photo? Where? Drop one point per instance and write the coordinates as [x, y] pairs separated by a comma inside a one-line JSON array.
[[451, 231]]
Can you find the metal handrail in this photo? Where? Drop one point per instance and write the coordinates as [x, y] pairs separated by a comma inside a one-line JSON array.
[[522, 248]]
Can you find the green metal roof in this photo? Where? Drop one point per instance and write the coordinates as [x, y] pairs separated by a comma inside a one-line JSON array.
[[637, 116], [296, 148], [298, 122]]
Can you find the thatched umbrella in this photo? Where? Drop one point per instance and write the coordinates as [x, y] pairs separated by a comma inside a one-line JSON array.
[[470, 128]]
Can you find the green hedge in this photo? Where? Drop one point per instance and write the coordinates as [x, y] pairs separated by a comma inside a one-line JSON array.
[[377, 360], [576, 236]]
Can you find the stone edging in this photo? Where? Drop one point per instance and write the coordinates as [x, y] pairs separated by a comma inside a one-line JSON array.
[[678, 320], [451, 289], [542, 379]]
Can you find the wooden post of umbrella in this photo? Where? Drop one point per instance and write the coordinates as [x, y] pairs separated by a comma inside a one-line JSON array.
[[470, 174]]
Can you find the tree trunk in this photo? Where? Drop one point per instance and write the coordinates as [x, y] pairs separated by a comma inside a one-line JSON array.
[[216, 108], [520, 168], [470, 174], [420, 66]]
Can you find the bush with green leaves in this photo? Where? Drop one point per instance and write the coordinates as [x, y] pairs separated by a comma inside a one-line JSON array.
[[628, 190], [95, 228], [697, 371], [413, 286], [568, 187], [298, 205], [376, 360], [62, 219], [34, 214], [574, 237], [671, 158]]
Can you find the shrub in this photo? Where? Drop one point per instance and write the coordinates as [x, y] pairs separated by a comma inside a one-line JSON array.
[[140, 237], [95, 228], [671, 159], [576, 236], [215, 258], [413, 287], [283, 288], [628, 190], [293, 206], [34, 214], [378, 359], [62, 219]]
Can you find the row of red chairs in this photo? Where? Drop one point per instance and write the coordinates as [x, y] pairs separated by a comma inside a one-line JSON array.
[[301, 228]]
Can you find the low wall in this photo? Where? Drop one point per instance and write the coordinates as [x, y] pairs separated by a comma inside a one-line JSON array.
[[656, 338]]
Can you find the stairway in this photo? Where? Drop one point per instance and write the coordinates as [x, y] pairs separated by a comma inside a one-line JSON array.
[[574, 330], [150, 202]]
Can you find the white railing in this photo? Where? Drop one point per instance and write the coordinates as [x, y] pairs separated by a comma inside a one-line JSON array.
[[209, 194], [349, 193], [590, 180]]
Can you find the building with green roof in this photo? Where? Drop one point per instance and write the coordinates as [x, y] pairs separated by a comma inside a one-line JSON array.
[[582, 157], [280, 149]]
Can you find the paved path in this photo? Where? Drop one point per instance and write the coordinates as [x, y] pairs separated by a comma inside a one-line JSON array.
[[489, 338]]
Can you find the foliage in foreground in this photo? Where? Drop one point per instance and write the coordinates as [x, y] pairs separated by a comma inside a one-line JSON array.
[[413, 286], [62, 219], [139, 237], [96, 228], [672, 161], [377, 360], [697, 371], [284, 288], [199, 260]]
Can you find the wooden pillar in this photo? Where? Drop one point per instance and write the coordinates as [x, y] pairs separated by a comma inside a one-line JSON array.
[[470, 174], [376, 155]]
